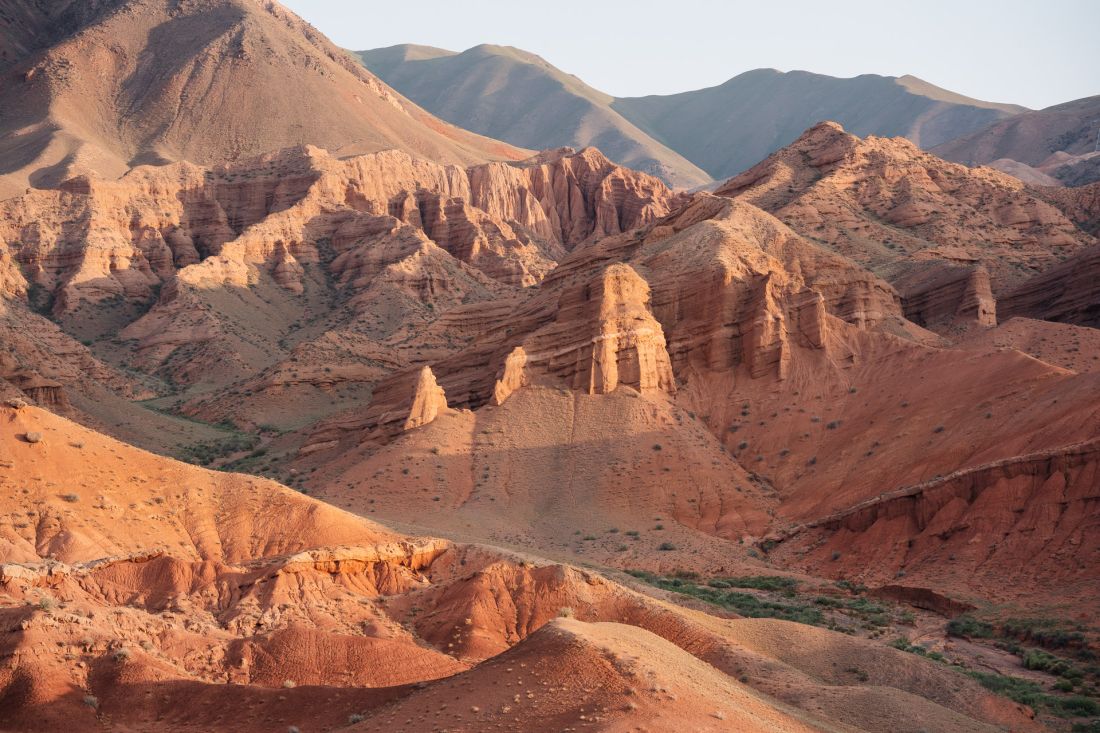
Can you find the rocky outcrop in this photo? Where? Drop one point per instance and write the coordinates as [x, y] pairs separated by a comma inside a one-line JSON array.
[[940, 295], [733, 286], [48, 393], [513, 376], [395, 234], [717, 286], [890, 206], [568, 196], [428, 400], [604, 336]]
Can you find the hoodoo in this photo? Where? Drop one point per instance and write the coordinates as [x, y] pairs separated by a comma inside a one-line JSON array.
[[428, 400]]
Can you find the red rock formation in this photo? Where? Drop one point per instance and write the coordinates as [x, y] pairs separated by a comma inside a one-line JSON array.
[[569, 197], [604, 335], [730, 286], [93, 239], [513, 376], [428, 400], [167, 239], [944, 296], [890, 206]]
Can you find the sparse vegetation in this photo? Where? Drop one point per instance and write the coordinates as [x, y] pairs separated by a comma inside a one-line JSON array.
[[743, 603], [757, 582], [1030, 693], [1026, 691], [969, 627], [905, 645], [780, 598], [860, 674], [206, 452]]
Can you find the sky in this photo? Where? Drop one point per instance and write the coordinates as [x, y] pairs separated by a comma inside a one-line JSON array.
[[1020, 51]]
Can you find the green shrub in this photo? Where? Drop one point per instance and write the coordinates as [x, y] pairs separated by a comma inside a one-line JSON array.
[[970, 628], [1029, 693], [1042, 661], [756, 582], [744, 604]]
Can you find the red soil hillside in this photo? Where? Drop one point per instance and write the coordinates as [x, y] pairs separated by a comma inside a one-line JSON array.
[[171, 598], [1076, 348], [111, 85]]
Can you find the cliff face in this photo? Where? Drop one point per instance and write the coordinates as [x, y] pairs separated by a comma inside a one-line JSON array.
[[603, 335], [1069, 292], [1041, 509], [95, 239]]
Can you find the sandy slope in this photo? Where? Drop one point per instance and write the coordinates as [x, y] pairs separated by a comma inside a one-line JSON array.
[[104, 88]]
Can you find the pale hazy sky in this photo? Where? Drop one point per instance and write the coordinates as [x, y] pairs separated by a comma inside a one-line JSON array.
[[1035, 53]]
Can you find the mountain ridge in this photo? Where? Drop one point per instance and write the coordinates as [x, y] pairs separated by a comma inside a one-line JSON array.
[[520, 95], [715, 132]]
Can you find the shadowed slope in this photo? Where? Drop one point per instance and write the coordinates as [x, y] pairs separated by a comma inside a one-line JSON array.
[[1059, 140], [727, 128]]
